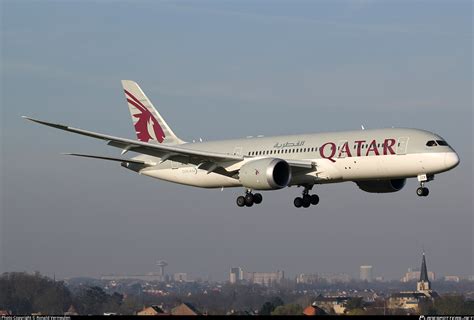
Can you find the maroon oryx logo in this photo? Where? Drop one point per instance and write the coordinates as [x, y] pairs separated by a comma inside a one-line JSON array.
[[257, 172], [147, 127]]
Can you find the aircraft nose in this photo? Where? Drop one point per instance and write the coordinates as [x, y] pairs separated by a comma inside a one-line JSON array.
[[451, 160]]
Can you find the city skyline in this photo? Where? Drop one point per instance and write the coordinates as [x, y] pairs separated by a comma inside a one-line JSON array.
[[411, 274]]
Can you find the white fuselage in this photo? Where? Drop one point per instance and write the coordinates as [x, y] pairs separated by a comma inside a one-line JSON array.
[[340, 156]]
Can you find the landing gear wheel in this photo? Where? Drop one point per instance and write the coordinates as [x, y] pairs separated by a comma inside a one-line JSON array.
[[314, 199], [298, 202], [426, 192], [306, 201], [422, 191], [257, 198], [240, 201], [249, 199]]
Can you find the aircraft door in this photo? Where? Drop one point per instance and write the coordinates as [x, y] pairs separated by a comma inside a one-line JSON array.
[[402, 145]]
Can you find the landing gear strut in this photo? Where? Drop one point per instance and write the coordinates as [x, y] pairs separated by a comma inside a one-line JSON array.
[[249, 199], [306, 200], [423, 191]]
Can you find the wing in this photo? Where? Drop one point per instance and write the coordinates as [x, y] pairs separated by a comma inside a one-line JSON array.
[[134, 161], [176, 153], [222, 163]]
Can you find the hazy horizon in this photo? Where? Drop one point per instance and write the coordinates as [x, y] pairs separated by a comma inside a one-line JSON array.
[[220, 70]]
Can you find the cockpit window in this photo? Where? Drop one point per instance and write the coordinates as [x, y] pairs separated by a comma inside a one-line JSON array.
[[431, 143], [442, 142]]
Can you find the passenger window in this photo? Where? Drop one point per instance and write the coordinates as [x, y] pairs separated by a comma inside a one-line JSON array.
[[442, 143], [431, 143]]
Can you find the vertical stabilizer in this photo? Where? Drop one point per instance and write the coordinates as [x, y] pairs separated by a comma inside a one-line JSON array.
[[149, 124]]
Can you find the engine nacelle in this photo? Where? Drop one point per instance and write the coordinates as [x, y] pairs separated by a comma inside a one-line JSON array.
[[265, 174], [381, 186]]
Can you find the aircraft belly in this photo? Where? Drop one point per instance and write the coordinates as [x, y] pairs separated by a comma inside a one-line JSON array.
[[410, 165], [192, 177], [354, 168], [387, 166]]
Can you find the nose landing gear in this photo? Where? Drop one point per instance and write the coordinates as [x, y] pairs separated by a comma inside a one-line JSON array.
[[307, 199], [423, 191], [249, 199]]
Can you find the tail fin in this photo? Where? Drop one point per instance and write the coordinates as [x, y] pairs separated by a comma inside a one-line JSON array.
[[148, 123]]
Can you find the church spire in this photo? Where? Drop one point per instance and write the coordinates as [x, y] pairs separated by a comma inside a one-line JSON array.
[[424, 271], [424, 284]]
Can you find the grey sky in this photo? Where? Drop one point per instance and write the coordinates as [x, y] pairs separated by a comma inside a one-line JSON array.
[[223, 70]]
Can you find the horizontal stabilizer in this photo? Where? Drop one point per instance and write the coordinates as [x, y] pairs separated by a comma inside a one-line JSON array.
[[108, 158]]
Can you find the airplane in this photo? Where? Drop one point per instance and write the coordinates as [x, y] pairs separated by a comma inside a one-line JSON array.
[[377, 160]]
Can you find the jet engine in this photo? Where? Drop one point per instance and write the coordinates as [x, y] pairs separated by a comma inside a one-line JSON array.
[[265, 174], [381, 186]]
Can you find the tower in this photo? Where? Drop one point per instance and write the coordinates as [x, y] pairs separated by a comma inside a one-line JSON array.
[[161, 265], [423, 285]]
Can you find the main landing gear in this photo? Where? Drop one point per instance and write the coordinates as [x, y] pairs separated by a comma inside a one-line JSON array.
[[249, 199], [423, 191], [307, 199]]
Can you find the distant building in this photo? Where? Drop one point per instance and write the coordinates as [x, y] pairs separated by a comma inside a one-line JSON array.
[[332, 304], [452, 278], [313, 310], [308, 278], [161, 268], [236, 275], [264, 278], [313, 278], [366, 273], [144, 277], [185, 309], [151, 276], [180, 277], [154, 310], [414, 275], [410, 300], [335, 277]]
